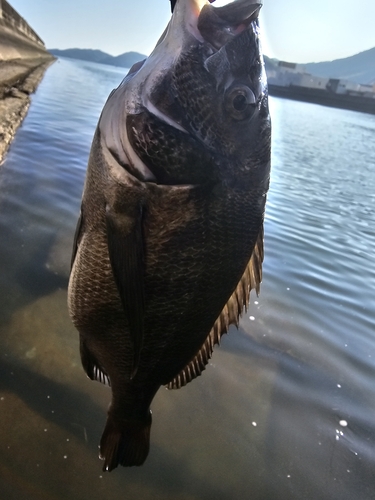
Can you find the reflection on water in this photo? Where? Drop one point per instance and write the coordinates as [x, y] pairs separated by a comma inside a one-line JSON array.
[[285, 411]]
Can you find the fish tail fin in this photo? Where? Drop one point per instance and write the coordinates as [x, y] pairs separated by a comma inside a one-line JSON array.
[[125, 442]]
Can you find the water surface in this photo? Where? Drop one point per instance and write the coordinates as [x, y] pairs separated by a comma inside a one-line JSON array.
[[286, 409]]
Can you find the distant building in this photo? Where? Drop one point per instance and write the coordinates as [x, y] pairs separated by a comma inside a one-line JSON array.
[[313, 82], [351, 88], [287, 65], [343, 86], [291, 81], [367, 90], [287, 74]]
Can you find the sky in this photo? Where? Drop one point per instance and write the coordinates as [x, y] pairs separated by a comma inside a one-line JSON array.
[[293, 30]]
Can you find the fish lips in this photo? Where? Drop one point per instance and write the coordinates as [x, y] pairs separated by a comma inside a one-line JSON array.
[[218, 25]]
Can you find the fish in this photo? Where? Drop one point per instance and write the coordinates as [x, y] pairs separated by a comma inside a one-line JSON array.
[[169, 240]]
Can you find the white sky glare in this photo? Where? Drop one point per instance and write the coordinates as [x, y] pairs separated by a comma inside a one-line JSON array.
[[294, 30]]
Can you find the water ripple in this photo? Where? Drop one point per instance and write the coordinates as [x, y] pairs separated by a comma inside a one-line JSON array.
[[272, 399]]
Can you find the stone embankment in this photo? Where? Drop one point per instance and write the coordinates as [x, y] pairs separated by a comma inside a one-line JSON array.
[[23, 61]]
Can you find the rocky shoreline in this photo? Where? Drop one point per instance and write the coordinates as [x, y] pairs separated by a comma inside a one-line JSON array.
[[18, 79], [23, 62]]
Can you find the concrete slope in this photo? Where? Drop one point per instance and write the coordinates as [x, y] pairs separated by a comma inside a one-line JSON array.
[[23, 61]]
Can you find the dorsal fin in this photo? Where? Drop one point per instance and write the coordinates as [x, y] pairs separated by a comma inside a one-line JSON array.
[[230, 315]]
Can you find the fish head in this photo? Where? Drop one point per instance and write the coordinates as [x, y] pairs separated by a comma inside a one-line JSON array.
[[196, 110]]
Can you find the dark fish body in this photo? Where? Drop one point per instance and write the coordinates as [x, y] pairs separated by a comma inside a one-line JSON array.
[[170, 238]]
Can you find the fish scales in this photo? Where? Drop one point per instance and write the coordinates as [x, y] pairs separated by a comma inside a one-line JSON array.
[[170, 238]]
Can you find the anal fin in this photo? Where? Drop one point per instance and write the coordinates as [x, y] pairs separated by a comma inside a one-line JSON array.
[[230, 315]]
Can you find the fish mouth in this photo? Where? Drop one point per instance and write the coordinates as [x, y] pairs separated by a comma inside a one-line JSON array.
[[205, 22], [218, 25]]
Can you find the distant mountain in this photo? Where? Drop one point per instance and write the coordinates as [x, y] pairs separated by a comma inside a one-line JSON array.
[[83, 54], [125, 60], [359, 68]]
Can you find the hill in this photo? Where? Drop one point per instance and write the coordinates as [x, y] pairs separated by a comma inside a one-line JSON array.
[[359, 68], [125, 60]]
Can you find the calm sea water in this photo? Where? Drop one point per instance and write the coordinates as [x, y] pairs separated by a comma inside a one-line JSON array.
[[286, 411]]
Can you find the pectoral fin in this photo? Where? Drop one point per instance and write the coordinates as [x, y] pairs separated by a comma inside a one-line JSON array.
[[126, 252], [230, 315]]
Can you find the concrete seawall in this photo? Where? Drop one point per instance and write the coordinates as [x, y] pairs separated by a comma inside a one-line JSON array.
[[23, 61], [13, 20]]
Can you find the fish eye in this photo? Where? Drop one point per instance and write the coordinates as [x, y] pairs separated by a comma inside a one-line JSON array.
[[239, 102]]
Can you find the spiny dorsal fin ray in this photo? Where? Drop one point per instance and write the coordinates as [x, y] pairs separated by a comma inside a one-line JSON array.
[[91, 366], [230, 315]]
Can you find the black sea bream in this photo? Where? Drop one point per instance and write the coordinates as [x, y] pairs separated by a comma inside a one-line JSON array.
[[169, 242]]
